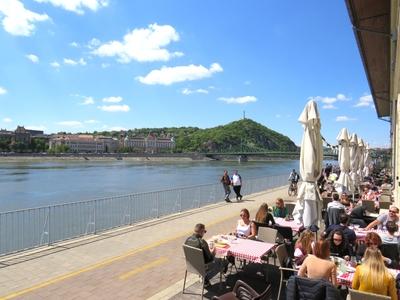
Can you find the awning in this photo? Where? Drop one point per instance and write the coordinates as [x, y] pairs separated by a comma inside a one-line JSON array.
[[371, 24]]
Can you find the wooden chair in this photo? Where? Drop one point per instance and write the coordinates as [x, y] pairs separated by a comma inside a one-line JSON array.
[[268, 235], [369, 205], [243, 291], [357, 295], [384, 205]]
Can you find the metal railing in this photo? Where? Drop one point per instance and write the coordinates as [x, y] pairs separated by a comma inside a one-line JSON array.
[[35, 227]]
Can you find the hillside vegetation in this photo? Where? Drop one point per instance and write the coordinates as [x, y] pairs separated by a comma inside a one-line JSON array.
[[242, 135]]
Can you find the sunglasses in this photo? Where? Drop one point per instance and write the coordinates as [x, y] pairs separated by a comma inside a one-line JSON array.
[[242, 215], [337, 240], [393, 212]]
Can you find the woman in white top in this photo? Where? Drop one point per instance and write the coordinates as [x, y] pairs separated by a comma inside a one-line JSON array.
[[245, 228]]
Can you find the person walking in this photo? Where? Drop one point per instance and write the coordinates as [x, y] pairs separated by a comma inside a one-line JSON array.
[[226, 183], [237, 185]]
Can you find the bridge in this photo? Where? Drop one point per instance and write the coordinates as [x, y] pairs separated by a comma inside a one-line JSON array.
[[245, 155]]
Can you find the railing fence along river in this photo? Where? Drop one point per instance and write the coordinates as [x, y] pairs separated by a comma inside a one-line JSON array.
[[35, 227]]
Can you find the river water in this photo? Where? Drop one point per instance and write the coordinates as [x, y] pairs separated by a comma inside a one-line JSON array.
[[34, 184]]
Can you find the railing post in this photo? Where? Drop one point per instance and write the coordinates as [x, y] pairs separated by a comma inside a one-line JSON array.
[[49, 228], [94, 217]]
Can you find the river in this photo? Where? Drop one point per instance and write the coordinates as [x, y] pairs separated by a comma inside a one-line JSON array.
[[34, 184]]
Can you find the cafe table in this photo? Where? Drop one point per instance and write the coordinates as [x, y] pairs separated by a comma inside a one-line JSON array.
[[245, 249], [289, 223]]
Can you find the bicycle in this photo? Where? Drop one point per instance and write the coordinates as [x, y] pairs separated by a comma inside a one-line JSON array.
[[292, 190]]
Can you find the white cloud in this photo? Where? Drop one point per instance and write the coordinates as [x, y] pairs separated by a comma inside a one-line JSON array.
[[329, 106], [117, 128], [187, 91], [36, 127], [7, 120], [112, 99], [72, 62], [91, 121], [170, 75], [33, 58], [104, 65], [238, 100], [142, 44], [364, 101], [77, 6], [114, 108], [17, 20], [247, 82], [329, 101], [74, 44], [55, 64], [70, 123], [3, 91], [87, 101], [93, 43], [278, 116], [344, 119]]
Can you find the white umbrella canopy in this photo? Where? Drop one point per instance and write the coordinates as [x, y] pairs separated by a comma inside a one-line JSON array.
[[344, 182], [311, 155], [354, 160], [367, 161], [360, 152]]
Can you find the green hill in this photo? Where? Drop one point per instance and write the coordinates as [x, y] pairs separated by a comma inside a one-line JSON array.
[[242, 135]]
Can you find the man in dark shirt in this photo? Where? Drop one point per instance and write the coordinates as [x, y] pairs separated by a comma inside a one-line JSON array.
[[347, 232], [214, 265]]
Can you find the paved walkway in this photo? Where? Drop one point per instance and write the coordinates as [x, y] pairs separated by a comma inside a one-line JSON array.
[[136, 262]]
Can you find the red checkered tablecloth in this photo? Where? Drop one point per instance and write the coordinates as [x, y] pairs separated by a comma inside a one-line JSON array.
[[292, 224], [361, 234], [245, 249]]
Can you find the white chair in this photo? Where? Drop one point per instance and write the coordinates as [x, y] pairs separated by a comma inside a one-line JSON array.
[[267, 234], [194, 264], [357, 295]]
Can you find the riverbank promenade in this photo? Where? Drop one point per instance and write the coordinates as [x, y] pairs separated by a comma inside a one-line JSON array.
[[136, 262]]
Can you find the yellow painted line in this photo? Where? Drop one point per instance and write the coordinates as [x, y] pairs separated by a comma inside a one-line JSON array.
[[103, 263], [153, 264]]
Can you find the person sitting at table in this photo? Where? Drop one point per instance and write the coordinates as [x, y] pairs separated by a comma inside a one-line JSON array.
[[339, 245], [264, 216], [279, 210], [334, 209], [390, 237], [367, 193], [358, 216], [343, 226], [318, 265], [382, 219], [373, 277], [374, 241], [214, 264], [303, 246], [245, 228]]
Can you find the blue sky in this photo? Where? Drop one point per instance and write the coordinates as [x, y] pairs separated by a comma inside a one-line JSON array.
[[85, 65]]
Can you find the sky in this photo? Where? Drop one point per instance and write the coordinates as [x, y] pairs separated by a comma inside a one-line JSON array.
[[85, 65]]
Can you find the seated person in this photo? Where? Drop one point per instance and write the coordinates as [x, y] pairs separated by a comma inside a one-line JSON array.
[[303, 246], [382, 219], [264, 216], [358, 216], [334, 209], [343, 225], [318, 265], [279, 211], [373, 277], [245, 228], [374, 241], [390, 236], [214, 265], [335, 203], [339, 245]]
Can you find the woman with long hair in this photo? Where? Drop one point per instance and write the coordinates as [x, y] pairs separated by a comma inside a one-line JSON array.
[[318, 264], [373, 277], [339, 245], [263, 216], [303, 246]]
